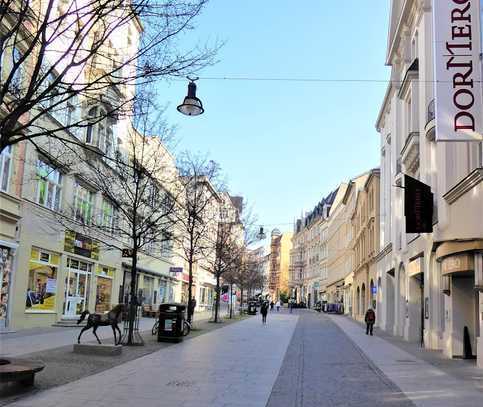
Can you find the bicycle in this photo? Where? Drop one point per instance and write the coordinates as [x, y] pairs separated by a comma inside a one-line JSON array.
[[186, 328]]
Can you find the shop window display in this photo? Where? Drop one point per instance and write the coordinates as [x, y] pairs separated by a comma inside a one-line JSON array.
[[104, 288], [5, 270], [42, 282]]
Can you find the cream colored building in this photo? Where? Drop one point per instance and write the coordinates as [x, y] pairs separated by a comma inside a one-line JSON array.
[[279, 263], [308, 257], [365, 246], [339, 260], [430, 283], [51, 269]]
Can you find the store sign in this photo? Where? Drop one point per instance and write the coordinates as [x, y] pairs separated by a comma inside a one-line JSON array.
[[81, 245], [458, 87], [458, 263], [418, 206], [415, 267]]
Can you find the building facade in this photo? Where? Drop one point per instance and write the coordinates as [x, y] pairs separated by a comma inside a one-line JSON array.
[[365, 246], [280, 246], [428, 282]]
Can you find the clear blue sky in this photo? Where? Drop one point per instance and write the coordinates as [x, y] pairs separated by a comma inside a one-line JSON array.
[[285, 145]]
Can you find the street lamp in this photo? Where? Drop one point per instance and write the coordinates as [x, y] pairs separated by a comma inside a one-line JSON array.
[[191, 105], [261, 234]]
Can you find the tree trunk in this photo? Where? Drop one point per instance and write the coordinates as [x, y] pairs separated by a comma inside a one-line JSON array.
[[190, 288], [231, 301], [133, 302], [217, 298], [241, 301]]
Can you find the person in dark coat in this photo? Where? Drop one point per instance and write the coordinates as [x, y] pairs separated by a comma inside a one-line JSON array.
[[264, 312], [370, 319]]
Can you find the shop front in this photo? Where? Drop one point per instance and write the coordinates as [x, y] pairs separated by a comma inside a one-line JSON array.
[[6, 264], [461, 271], [104, 285]]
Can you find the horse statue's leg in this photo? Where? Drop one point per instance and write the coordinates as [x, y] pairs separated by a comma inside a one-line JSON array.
[[94, 332], [114, 332], [88, 326], [120, 334]]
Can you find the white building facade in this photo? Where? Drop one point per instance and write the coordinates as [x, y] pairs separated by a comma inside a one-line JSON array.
[[428, 283]]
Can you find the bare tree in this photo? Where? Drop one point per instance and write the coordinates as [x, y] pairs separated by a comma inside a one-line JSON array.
[[61, 59], [139, 196], [198, 218], [226, 248]]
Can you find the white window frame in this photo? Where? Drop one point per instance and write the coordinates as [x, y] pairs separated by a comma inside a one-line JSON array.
[[53, 181], [108, 222], [6, 170], [85, 195]]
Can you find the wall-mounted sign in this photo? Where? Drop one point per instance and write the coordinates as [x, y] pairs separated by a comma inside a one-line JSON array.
[[458, 263], [176, 270], [418, 206], [457, 70], [82, 245]]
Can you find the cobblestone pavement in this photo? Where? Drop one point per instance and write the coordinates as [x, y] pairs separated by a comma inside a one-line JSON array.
[[323, 367], [304, 359]]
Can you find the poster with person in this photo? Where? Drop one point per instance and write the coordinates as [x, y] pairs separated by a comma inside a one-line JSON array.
[[42, 284]]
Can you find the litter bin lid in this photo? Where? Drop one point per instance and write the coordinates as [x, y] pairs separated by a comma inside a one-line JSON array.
[[172, 307]]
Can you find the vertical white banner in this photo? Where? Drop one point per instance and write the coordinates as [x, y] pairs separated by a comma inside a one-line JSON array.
[[458, 70]]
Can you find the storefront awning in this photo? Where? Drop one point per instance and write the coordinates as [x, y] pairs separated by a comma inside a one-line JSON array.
[[458, 246]]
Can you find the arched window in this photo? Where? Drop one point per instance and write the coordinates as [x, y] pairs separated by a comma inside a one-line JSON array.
[[363, 299], [99, 131]]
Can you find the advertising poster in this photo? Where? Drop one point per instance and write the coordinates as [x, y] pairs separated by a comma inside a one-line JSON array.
[[41, 288]]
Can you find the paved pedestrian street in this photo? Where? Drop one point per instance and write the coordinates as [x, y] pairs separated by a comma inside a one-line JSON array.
[[303, 359]]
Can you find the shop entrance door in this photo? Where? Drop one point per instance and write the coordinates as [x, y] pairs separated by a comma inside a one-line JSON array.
[[77, 284]]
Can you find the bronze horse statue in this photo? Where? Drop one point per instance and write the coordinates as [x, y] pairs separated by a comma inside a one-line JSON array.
[[94, 321]]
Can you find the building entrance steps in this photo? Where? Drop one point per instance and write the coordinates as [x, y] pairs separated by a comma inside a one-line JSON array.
[[235, 365], [423, 383]]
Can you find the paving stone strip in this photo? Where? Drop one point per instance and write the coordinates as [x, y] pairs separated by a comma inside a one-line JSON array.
[[324, 368]]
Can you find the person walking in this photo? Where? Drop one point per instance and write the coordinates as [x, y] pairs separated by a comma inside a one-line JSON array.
[[370, 319], [290, 304], [272, 304], [277, 305], [264, 312]]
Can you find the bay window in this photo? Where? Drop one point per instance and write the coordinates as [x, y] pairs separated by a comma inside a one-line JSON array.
[[49, 185]]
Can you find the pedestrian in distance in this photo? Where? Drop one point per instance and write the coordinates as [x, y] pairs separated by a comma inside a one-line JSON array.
[[277, 305], [264, 312], [272, 304], [370, 319], [290, 305]]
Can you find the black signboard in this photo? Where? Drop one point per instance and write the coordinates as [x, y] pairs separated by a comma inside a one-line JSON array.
[[82, 245], [418, 206]]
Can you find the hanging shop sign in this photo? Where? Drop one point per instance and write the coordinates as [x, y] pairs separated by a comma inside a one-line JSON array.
[[81, 245], [457, 70], [418, 206]]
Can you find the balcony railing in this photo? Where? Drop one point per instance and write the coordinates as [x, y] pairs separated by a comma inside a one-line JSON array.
[[431, 112]]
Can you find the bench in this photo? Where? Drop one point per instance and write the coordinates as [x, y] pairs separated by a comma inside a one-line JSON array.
[[19, 370]]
